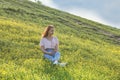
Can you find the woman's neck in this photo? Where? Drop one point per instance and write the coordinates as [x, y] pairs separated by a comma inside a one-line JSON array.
[[49, 36]]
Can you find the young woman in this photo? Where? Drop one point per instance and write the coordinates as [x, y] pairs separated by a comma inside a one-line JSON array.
[[49, 45]]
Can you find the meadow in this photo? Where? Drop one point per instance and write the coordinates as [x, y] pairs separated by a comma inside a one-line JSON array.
[[91, 49]]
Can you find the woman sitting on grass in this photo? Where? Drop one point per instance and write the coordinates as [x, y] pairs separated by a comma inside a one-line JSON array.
[[49, 45]]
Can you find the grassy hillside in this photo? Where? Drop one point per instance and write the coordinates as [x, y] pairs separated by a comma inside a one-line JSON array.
[[91, 49]]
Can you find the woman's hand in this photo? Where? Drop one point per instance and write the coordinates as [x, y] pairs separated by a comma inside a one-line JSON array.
[[51, 53]]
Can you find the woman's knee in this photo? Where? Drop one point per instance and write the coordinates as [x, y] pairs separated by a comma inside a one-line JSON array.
[[58, 53]]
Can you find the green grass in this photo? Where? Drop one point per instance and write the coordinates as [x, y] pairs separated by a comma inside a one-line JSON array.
[[91, 49]]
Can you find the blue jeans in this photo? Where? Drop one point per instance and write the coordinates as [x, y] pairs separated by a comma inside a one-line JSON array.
[[53, 57]]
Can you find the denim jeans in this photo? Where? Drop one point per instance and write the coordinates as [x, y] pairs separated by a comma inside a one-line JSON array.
[[53, 57]]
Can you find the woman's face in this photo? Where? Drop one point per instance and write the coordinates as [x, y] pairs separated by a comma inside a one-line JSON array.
[[51, 31]]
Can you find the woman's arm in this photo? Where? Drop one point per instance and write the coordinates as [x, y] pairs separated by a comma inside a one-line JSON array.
[[56, 47], [55, 50], [44, 51]]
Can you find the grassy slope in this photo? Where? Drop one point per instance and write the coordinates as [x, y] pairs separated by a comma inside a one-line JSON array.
[[91, 49]]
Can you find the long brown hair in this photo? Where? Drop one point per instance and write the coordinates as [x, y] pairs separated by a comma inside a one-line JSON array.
[[45, 33]]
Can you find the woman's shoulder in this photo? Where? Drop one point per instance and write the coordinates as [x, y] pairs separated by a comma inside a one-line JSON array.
[[42, 39]]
